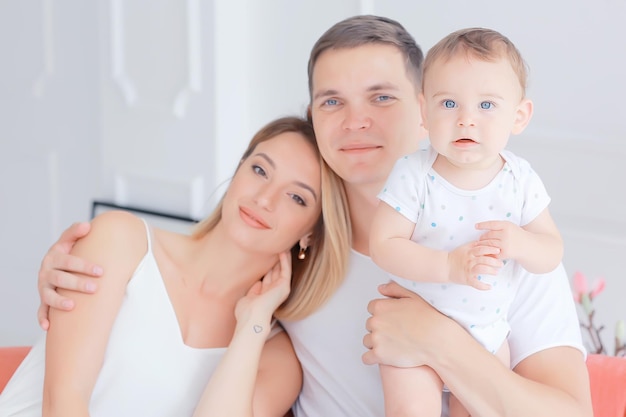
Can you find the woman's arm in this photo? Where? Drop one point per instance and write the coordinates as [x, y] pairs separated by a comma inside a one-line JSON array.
[[406, 331], [62, 269], [77, 340], [256, 376]]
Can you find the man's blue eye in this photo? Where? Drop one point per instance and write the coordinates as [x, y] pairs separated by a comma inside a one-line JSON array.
[[331, 102], [486, 105], [383, 98], [449, 104]]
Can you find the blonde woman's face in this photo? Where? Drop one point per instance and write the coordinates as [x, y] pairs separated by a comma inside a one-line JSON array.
[[274, 198]]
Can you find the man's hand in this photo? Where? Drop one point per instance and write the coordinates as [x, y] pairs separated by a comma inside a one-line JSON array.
[[58, 270], [404, 330]]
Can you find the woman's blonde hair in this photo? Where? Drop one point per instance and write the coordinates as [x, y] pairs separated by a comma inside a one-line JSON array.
[[315, 278]]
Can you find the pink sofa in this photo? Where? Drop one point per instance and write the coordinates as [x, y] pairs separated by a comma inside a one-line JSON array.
[[10, 358], [607, 375]]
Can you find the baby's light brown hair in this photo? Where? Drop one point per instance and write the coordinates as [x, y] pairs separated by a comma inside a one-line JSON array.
[[478, 43]]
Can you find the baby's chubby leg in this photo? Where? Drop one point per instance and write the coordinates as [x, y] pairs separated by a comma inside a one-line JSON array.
[[411, 391]]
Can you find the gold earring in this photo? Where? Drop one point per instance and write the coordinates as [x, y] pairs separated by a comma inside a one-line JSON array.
[[302, 254]]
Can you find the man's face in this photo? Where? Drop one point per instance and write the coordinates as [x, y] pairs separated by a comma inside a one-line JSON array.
[[365, 111]]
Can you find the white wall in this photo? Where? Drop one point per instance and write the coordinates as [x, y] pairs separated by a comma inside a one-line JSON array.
[[49, 138], [163, 95]]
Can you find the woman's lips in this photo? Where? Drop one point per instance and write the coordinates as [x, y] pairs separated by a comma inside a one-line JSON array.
[[252, 219]]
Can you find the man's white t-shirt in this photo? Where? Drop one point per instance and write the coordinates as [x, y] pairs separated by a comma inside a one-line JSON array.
[[329, 343]]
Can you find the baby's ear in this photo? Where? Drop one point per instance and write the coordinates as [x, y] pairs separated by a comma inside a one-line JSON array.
[[523, 114], [422, 102]]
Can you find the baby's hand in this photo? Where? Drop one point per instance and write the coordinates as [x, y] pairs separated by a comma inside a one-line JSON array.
[[502, 235], [469, 261]]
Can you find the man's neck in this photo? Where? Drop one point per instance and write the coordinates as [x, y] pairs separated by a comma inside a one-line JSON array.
[[363, 202]]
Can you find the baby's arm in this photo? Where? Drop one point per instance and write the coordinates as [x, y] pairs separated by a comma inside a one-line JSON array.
[[537, 246], [393, 250]]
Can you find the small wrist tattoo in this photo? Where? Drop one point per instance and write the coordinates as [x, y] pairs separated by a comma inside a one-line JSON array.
[[257, 328]]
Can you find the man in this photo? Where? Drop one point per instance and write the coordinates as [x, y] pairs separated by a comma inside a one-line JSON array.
[[364, 81]]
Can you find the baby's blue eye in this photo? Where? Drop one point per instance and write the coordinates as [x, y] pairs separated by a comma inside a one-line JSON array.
[[486, 105], [449, 104]]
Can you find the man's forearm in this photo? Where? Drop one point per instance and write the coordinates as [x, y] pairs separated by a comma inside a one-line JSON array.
[[551, 383]]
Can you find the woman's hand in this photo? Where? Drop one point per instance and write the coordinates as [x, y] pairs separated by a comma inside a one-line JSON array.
[[58, 270], [404, 330], [266, 295]]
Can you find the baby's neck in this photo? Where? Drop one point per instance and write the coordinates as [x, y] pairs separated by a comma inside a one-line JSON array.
[[468, 177]]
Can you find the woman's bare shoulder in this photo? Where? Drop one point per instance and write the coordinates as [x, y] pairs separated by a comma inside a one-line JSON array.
[[115, 236]]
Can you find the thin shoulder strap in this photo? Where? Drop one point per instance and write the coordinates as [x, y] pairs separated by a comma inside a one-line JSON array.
[[145, 223]]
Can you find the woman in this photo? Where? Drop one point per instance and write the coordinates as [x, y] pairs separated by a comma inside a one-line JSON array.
[[181, 321]]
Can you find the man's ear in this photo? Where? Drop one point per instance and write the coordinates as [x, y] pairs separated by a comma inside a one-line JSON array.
[[523, 114], [309, 116]]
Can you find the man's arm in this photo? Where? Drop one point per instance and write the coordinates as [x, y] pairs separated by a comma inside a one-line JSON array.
[[60, 269], [550, 382]]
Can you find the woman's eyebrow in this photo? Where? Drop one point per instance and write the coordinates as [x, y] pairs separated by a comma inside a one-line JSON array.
[[299, 183], [267, 158]]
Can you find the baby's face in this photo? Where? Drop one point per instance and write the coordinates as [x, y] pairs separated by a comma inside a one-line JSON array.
[[471, 107]]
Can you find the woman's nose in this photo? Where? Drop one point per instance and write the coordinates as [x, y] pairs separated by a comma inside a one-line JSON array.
[[266, 197]]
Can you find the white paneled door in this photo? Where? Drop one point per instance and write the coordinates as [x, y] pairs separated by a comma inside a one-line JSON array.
[[49, 139]]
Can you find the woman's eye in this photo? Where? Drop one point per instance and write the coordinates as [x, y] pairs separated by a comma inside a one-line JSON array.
[[298, 199], [449, 104], [258, 170], [486, 105]]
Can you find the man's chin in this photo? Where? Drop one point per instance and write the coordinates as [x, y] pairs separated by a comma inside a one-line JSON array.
[[362, 175]]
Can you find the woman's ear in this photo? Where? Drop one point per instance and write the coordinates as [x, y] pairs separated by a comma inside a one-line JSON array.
[[305, 241], [523, 114], [304, 245]]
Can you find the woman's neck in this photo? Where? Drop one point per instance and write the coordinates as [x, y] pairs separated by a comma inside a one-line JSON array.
[[215, 265]]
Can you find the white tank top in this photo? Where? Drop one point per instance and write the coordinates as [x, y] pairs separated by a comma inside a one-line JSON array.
[[147, 369]]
